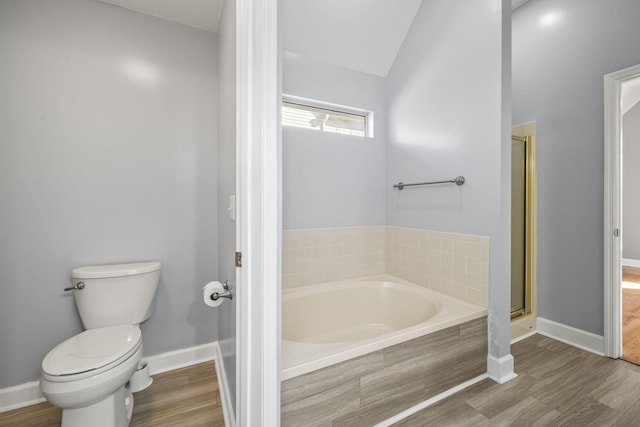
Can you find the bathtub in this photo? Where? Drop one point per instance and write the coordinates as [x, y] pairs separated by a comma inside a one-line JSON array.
[[329, 323]]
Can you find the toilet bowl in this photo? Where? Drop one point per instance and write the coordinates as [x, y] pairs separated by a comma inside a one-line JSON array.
[[86, 376]]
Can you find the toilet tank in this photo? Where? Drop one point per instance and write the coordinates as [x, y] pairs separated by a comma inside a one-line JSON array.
[[115, 294]]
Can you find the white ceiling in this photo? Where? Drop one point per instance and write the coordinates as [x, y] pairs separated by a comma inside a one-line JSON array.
[[203, 14], [363, 35]]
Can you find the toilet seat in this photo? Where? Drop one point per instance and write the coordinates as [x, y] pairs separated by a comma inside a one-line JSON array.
[[91, 352]]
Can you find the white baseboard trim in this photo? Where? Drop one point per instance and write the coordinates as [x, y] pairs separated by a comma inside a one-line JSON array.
[[630, 262], [572, 336], [29, 393], [163, 362], [500, 369], [523, 337], [223, 385], [19, 396], [429, 402]]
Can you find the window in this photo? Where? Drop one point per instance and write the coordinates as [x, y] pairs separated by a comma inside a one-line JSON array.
[[325, 117]]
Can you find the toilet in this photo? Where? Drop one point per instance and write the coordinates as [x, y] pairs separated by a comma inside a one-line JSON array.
[[87, 375]]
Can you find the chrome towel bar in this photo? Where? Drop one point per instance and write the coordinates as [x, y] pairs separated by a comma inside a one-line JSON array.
[[458, 181]]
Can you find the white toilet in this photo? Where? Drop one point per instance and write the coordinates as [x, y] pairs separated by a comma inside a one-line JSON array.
[[86, 375]]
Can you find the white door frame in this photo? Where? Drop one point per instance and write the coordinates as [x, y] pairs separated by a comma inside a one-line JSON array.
[[258, 186], [613, 208]]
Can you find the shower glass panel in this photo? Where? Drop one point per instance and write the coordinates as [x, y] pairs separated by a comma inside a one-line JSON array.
[[518, 213]]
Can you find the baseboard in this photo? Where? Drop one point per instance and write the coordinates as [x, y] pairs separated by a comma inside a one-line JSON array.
[[500, 369], [29, 393], [163, 362], [630, 262], [523, 337], [223, 385], [19, 396], [572, 336]]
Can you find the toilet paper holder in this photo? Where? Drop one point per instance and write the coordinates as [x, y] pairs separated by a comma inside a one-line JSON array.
[[226, 294]]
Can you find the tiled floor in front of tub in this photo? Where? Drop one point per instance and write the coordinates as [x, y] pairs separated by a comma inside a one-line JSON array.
[[378, 385], [557, 385]]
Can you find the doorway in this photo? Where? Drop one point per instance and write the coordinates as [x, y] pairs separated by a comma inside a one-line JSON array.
[[630, 313], [522, 229], [614, 85], [630, 230]]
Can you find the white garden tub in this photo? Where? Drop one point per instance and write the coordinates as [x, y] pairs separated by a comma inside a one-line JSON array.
[[328, 323]]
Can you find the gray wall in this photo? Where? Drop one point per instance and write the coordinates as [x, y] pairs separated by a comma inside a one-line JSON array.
[[443, 122], [332, 180], [446, 102], [631, 182], [107, 154], [227, 185], [558, 82]]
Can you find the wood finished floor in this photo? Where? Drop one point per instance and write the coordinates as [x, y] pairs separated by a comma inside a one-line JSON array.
[[631, 316], [557, 385], [183, 397]]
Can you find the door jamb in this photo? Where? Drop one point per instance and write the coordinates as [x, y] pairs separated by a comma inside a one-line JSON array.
[[258, 187], [613, 208]]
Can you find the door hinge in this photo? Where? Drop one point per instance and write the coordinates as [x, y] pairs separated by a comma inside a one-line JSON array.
[[238, 259]]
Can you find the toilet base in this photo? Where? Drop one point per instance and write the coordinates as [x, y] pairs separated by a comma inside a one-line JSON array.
[[114, 411]]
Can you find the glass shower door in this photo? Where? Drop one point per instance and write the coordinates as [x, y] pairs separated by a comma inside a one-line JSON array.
[[520, 227]]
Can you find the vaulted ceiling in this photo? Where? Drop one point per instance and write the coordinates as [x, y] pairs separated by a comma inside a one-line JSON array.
[[364, 35]]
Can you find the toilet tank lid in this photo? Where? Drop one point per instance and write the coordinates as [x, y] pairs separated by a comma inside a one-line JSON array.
[[115, 270]]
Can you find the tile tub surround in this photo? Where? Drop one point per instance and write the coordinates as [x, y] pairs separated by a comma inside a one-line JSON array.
[[451, 263], [330, 254], [378, 385], [454, 264]]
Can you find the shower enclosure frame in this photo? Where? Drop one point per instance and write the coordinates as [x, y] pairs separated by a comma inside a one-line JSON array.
[[529, 244]]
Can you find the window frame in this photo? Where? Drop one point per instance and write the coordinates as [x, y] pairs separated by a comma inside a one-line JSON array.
[[314, 103]]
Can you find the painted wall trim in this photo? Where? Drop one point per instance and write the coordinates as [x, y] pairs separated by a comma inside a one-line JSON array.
[[631, 262], [223, 386], [612, 345], [163, 362], [259, 217], [20, 396], [500, 369], [27, 394], [523, 337], [573, 336], [612, 217]]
